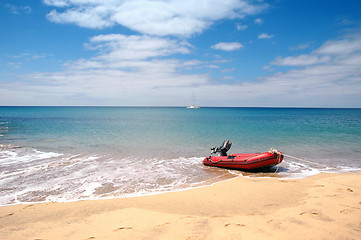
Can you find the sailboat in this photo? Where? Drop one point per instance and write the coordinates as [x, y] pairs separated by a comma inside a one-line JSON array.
[[193, 105]]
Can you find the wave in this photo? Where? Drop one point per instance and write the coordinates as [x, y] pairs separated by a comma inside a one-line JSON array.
[[29, 175]]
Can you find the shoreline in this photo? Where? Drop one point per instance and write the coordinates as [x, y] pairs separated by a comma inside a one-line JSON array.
[[139, 195], [323, 206], [226, 177]]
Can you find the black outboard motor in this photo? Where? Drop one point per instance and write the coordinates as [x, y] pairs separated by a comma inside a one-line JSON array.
[[223, 149]]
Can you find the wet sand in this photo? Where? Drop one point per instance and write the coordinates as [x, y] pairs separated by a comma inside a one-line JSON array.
[[325, 206]]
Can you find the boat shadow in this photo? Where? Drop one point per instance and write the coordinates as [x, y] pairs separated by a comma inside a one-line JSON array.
[[258, 172], [263, 172]]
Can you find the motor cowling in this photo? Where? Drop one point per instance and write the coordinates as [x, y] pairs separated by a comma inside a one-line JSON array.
[[223, 149]]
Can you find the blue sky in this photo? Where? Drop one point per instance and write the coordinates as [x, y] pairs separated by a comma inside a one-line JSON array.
[[283, 53]]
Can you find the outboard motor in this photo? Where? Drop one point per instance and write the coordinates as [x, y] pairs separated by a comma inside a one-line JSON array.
[[223, 149]]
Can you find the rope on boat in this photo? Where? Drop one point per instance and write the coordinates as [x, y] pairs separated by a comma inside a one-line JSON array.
[[215, 161], [307, 161], [274, 151], [279, 156], [322, 165]]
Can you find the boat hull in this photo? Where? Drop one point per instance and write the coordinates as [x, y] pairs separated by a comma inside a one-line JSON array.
[[246, 161]]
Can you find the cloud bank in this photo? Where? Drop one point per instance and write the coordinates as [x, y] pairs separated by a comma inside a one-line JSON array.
[[128, 70], [159, 17], [328, 76], [156, 68], [140, 70]]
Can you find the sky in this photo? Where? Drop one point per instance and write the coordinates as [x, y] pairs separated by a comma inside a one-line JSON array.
[[229, 53]]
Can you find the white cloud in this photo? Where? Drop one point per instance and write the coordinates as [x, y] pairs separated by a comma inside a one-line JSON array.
[[168, 17], [329, 52], [14, 64], [18, 9], [344, 46], [29, 56], [57, 3], [90, 18], [265, 36], [300, 47], [18, 60], [241, 27], [213, 66], [258, 21], [227, 46], [129, 70], [140, 70], [122, 47], [226, 70], [331, 75], [302, 60]]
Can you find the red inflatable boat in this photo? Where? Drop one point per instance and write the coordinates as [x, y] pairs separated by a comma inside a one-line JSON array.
[[246, 161]]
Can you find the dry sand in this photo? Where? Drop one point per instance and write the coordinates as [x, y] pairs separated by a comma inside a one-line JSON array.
[[325, 206]]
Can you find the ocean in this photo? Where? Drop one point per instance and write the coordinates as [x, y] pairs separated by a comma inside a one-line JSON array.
[[61, 154]]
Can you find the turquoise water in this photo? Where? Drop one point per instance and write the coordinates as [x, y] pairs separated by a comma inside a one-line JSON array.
[[72, 153]]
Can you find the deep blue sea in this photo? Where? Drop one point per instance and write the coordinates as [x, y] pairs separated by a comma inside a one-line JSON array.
[[76, 153]]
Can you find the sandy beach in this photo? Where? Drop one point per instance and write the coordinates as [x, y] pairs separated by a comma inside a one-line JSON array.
[[325, 206]]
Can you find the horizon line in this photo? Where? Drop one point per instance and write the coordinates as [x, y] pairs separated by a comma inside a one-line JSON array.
[[140, 106]]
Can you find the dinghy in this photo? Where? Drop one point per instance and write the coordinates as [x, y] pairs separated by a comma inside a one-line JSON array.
[[244, 161]]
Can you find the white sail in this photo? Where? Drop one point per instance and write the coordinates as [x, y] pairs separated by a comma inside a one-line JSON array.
[[193, 105]]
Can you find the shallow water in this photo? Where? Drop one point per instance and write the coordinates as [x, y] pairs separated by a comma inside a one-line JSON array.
[[73, 153]]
